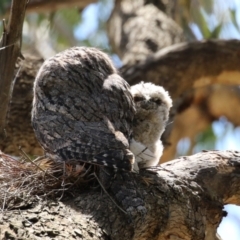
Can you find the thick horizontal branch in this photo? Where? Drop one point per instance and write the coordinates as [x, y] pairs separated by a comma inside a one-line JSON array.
[[184, 200], [180, 67]]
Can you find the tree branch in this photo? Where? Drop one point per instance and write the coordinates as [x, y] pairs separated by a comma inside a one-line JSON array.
[[10, 46], [180, 67], [184, 200], [53, 5], [45, 6]]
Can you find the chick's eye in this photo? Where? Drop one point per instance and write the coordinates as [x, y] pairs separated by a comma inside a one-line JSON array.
[[157, 101], [138, 99]]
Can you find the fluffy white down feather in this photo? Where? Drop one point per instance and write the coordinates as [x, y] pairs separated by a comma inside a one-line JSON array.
[[152, 104], [144, 157]]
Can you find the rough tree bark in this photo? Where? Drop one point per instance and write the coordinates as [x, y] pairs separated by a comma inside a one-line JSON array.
[[184, 200]]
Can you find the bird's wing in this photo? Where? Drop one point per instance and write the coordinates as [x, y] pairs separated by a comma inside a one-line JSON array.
[[84, 117]]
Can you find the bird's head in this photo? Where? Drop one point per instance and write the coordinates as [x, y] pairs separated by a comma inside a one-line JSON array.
[[151, 99]]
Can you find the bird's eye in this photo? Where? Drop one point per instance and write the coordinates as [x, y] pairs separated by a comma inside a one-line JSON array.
[[138, 99], [157, 101]]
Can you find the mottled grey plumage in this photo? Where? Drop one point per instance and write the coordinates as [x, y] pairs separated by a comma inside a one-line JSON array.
[[83, 110]]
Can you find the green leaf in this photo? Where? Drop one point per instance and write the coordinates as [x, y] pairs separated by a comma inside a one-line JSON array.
[[207, 5], [216, 31], [202, 24], [234, 20], [4, 5], [206, 139], [71, 16]]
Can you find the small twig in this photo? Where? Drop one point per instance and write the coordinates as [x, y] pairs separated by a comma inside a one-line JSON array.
[[14, 80], [4, 201], [143, 151], [38, 158], [81, 176], [30, 160], [2, 48], [169, 123], [11, 91], [108, 193], [4, 26], [63, 181], [86, 172]]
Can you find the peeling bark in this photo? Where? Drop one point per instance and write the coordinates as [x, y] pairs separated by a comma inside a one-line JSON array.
[[184, 200]]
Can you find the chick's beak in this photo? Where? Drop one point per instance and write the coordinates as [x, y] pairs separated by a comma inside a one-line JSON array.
[[147, 105]]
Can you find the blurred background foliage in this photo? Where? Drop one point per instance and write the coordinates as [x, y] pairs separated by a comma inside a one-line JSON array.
[[200, 19], [51, 32]]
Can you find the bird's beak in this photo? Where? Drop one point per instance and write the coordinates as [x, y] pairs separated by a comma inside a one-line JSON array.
[[147, 105]]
